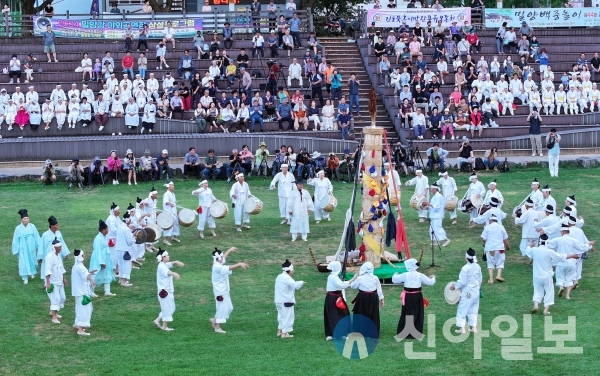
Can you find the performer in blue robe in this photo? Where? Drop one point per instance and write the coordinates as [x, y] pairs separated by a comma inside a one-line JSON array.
[[101, 261], [25, 243]]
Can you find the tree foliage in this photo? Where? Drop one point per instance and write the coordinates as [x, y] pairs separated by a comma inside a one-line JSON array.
[[329, 8]]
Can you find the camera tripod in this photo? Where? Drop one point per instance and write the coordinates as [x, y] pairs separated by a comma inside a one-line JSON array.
[[434, 242], [417, 160]]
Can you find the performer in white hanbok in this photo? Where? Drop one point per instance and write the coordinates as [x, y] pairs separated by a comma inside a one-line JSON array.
[[449, 189], [493, 192], [507, 99], [2, 113], [73, 112], [549, 220], [421, 184], [140, 95], [239, 193], [60, 112], [536, 195], [475, 188], [527, 220], [493, 210], [370, 295], [82, 285], [323, 188], [10, 113], [132, 119], [87, 93], [469, 282], [85, 112], [577, 233], [54, 276], [299, 206], [149, 117], [205, 199], [572, 204], [543, 261], [100, 263], [534, 99], [170, 206], [285, 289], [594, 97], [35, 115], [124, 245], [560, 98], [566, 271], [57, 94], [548, 199], [149, 211], [548, 100], [46, 245], [47, 113], [436, 216], [220, 283], [32, 96], [285, 184], [26, 241], [166, 290], [495, 240], [74, 92], [116, 107], [113, 221]]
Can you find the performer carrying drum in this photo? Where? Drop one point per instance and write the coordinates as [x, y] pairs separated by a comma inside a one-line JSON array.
[[476, 191], [449, 189], [239, 193], [149, 210], [323, 188], [493, 193], [170, 206], [421, 184], [205, 199]]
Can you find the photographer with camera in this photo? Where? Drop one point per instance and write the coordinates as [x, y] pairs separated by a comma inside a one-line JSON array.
[[304, 163], [465, 155], [347, 165], [272, 75], [535, 133], [333, 166], [148, 166], [336, 85], [262, 153], [400, 157], [75, 173], [163, 165], [191, 163], [247, 157], [552, 143], [48, 174], [235, 164], [280, 158], [211, 166], [437, 155]]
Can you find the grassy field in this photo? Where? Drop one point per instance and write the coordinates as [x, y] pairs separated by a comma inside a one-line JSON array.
[[124, 340]]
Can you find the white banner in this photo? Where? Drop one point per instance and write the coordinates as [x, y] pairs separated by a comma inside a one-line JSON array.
[[393, 18]]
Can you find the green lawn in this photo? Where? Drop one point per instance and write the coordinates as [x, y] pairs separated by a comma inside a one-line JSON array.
[[124, 340]]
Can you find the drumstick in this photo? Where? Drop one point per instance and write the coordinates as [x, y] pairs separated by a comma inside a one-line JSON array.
[[421, 255], [312, 255]]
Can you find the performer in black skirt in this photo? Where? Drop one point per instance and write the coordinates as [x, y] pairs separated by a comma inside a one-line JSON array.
[[335, 304], [413, 313], [370, 296]]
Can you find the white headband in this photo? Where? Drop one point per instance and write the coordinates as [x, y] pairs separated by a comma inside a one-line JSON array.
[[80, 257], [203, 181], [169, 184], [159, 257], [472, 177], [114, 209], [474, 258], [217, 255], [288, 269], [321, 172], [284, 165], [417, 171], [56, 245], [154, 192]]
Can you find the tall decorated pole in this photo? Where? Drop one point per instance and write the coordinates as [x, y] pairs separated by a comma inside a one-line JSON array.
[[375, 181]]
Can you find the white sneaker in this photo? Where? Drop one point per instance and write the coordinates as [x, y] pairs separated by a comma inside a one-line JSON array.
[[166, 66], [247, 130], [117, 182], [114, 182], [101, 128], [452, 138], [541, 154], [443, 137], [142, 130], [533, 155]]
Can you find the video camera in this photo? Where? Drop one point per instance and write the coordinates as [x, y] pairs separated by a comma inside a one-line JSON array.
[[272, 62], [264, 153]]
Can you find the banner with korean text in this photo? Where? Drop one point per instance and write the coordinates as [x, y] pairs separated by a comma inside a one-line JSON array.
[[113, 29], [540, 17], [393, 18]]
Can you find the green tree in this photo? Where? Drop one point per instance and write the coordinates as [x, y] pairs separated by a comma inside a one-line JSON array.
[[328, 8]]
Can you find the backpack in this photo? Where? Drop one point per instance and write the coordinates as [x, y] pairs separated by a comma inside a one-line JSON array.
[[504, 166], [256, 74], [479, 164]]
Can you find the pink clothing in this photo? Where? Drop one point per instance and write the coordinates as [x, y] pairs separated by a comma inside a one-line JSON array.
[[449, 128], [113, 164], [456, 96], [414, 47], [22, 117]]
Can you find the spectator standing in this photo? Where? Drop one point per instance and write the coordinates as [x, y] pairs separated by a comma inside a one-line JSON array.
[[552, 143], [127, 64], [295, 29], [49, 46], [336, 85], [353, 86], [535, 133], [255, 8], [272, 15]]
